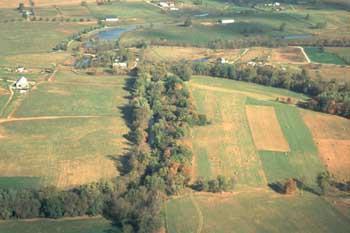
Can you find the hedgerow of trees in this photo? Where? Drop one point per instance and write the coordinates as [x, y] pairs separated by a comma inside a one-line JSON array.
[[326, 96]]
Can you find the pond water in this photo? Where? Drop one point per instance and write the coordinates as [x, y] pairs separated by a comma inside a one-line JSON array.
[[295, 36], [114, 33]]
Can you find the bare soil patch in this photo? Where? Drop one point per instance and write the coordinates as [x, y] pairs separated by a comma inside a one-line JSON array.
[[3, 91], [336, 156], [291, 55], [265, 128]]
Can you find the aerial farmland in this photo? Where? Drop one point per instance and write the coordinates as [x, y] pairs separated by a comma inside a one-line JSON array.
[[174, 116]]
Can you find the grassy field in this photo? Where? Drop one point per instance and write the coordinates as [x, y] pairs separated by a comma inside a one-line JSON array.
[[65, 149], [255, 211], [344, 53], [93, 225], [226, 146], [72, 98], [323, 56], [34, 37], [302, 161]]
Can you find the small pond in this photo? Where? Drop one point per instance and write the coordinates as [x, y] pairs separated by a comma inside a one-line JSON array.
[[114, 33]]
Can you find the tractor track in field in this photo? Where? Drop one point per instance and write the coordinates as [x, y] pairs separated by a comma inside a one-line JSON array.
[[199, 213]]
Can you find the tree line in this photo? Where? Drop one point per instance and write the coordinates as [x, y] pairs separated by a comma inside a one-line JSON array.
[[326, 96]]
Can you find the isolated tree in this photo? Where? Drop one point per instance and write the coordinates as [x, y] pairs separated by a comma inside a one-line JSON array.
[[324, 182], [290, 186], [188, 22], [283, 27], [20, 6]]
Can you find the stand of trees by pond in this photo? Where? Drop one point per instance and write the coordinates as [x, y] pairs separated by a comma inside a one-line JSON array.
[[326, 96]]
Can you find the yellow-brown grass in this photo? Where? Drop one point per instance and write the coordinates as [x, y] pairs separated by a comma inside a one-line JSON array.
[[329, 72], [37, 59], [73, 173], [336, 156], [170, 53], [332, 136], [265, 128], [39, 3]]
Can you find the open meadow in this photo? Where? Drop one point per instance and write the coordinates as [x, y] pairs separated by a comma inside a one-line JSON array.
[[83, 225], [65, 127], [253, 211]]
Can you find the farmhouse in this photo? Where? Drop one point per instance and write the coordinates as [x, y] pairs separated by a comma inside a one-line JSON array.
[[112, 20], [21, 84], [226, 21]]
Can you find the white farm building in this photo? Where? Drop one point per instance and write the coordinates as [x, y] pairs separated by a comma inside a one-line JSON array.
[[21, 84], [226, 21]]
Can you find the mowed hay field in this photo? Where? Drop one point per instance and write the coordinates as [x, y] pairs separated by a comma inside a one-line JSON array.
[[332, 137], [226, 146], [76, 225], [70, 131], [253, 211], [265, 128]]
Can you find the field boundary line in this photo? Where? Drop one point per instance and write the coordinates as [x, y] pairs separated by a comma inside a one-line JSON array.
[[45, 118], [200, 214], [241, 55]]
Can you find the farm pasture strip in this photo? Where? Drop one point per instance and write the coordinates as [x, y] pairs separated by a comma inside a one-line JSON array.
[[302, 161], [265, 128], [225, 146]]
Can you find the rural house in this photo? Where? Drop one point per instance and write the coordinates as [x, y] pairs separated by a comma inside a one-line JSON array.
[[226, 21], [21, 84]]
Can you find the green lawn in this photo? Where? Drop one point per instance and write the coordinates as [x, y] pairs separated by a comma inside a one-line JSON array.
[[93, 225], [323, 56], [254, 211]]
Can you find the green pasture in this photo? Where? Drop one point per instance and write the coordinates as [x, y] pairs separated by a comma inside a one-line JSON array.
[[19, 182], [139, 11], [323, 56], [47, 145], [93, 225], [302, 161], [226, 146], [254, 211], [33, 37], [71, 97]]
